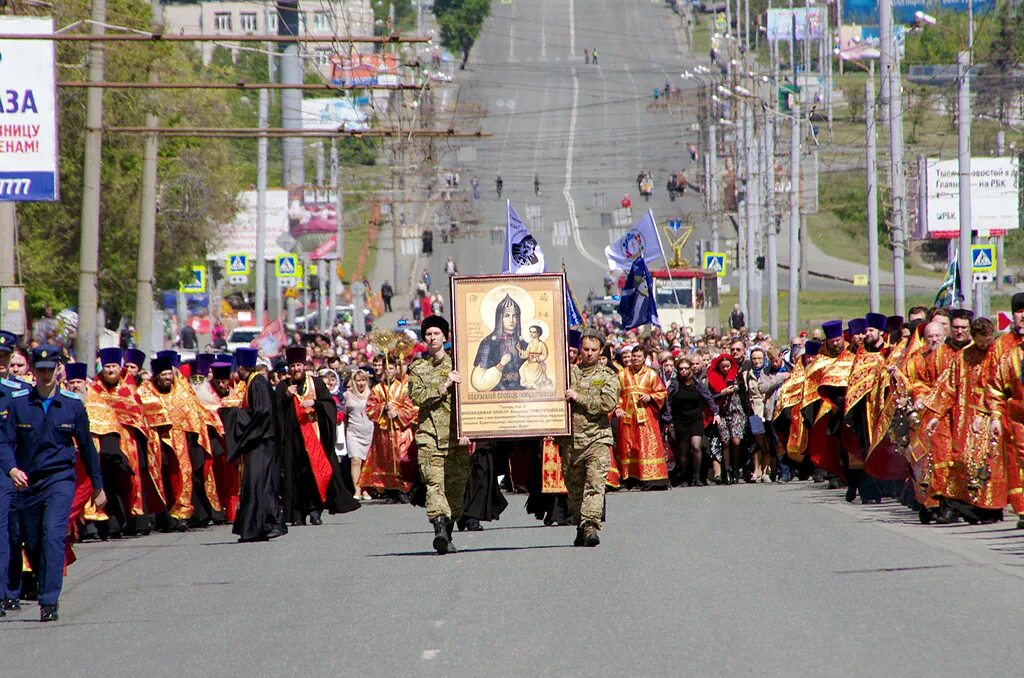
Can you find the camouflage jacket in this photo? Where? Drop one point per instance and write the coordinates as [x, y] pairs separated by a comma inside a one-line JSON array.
[[598, 389], [436, 421]]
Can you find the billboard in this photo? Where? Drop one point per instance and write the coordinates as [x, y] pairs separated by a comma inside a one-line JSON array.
[[240, 234], [995, 196], [333, 114], [799, 23], [866, 11], [28, 113], [861, 43]]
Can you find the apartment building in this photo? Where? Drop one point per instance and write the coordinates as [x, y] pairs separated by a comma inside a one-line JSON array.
[[258, 17]]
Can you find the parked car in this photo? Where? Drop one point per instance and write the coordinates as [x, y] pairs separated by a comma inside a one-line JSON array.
[[242, 337]]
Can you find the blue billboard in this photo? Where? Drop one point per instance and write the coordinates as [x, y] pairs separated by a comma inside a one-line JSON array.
[[866, 11]]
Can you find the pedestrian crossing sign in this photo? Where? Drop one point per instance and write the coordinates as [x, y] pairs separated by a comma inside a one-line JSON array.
[[197, 283], [715, 261], [286, 265], [983, 258], [238, 263]]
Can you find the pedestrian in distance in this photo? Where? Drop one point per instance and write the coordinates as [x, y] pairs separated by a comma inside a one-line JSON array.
[[386, 293], [586, 55]]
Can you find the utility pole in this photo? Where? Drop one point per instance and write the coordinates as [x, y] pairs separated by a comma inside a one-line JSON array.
[[89, 255], [872, 179], [892, 110], [768, 182], [712, 186], [291, 99], [794, 216], [963, 114], [742, 218], [752, 209], [339, 236], [261, 209], [1000, 151], [147, 218]]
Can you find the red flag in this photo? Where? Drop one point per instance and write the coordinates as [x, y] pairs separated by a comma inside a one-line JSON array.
[[1005, 320], [272, 339]]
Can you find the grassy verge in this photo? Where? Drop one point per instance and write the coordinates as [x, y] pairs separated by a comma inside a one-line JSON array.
[[814, 308], [702, 29]]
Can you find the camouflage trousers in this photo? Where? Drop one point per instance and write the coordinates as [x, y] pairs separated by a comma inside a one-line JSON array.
[[585, 471], [445, 473]]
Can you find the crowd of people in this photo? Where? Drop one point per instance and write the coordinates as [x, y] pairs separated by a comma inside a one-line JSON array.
[[925, 410]]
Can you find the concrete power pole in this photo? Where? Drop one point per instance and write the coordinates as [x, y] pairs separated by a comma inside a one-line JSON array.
[[753, 213], [892, 107], [872, 179], [768, 183], [88, 260], [1000, 151], [794, 217], [261, 210], [291, 99], [147, 219], [963, 114], [339, 237], [712, 186]]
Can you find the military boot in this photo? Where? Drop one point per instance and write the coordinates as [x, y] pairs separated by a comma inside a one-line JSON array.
[[449, 525], [579, 537], [441, 540], [590, 537]]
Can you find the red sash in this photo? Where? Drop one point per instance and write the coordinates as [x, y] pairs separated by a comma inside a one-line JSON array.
[[322, 470]]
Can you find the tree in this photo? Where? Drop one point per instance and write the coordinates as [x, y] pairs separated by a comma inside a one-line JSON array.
[[461, 22], [198, 180]]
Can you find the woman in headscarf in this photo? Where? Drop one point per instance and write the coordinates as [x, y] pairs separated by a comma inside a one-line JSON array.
[[498, 357], [333, 383], [358, 427], [732, 417]]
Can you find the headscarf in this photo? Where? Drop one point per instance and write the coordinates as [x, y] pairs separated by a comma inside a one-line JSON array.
[[356, 395], [716, 380], [337, 381]]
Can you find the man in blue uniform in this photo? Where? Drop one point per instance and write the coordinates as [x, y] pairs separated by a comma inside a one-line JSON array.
[[8, 388], [38, 452]]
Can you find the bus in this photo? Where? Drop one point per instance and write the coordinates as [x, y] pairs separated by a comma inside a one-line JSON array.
[[687, 296]]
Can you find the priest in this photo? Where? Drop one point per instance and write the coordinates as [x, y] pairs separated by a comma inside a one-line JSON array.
[[307, 428]]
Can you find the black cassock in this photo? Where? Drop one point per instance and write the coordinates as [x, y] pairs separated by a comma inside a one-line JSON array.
[[299, 492], [484, 500], [252, 437]]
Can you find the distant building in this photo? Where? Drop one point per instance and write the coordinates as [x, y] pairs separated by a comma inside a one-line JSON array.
[[258, 17]]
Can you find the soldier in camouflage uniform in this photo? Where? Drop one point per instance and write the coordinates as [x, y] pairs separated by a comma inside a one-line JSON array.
[[594, 393], [443, 460]]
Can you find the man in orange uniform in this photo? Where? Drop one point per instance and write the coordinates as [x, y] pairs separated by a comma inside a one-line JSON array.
[[641, 454]]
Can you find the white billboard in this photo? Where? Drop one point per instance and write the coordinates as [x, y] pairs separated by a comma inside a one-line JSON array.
[[333, 114], [240, 234], [28, 112], [995, 195]]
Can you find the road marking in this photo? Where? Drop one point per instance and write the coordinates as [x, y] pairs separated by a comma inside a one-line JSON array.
[[572, 31], [512, 43], [636, 105], [543, 35], [429, 654], [567, 189]]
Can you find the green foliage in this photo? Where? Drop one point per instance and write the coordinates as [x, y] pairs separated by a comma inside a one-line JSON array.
[[198, 181], [405, 16], [461, 22]]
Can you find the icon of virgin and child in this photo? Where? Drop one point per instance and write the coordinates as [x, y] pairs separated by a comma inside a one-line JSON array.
[[509, 359]]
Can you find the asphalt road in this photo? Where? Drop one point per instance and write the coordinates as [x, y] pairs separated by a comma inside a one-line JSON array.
[[744, 580]]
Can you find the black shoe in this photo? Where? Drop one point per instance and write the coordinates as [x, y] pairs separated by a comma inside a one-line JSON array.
[[10, 604], [925, 516], [441, 540], [851, 493], [947, 516], [473, 525], [48, 613], [314, 518], [579, 537], [590, 537], [275, 533]]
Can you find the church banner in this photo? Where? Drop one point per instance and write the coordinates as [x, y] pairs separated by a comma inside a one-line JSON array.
[[510, 349]]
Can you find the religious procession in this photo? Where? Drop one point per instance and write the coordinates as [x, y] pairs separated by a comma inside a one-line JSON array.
[[922, 410]]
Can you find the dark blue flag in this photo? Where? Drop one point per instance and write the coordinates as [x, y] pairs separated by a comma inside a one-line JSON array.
[[637, 304], [573, 318]]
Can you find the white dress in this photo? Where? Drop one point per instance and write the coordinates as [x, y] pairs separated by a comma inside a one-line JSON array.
[[358, 427]]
